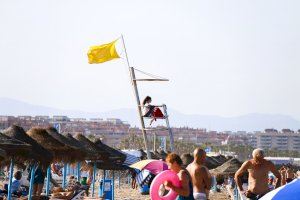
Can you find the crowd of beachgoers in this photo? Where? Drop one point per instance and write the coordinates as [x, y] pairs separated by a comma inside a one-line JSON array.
[[42, 164]]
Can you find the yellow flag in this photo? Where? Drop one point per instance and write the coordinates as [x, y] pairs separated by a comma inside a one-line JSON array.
[[102, 53]]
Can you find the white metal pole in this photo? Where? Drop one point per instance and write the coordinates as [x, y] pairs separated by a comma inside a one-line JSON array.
[[169, 128], [113, 185], [48, 181], [154, 141], [32, 171], [64, 181], [11, 172], [94, 179], [119, 179], [135, 89]]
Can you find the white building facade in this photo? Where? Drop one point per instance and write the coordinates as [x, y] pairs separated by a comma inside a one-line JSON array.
[[286, 139]]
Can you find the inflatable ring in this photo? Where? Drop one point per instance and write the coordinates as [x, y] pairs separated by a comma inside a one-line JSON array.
[[167, 175]]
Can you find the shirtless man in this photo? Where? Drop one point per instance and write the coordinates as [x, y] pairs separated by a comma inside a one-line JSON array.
[[282, 171], [200, 175], [258, 169]]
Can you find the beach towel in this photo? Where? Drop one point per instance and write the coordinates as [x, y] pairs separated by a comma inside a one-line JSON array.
[[145, 177]]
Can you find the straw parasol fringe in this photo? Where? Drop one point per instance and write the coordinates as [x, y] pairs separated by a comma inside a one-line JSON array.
[[115, 158], [60, 151], [107, 166], [220, 158], [89, 155], [161, 154], [143, 154], [100, 154], [2, 155], [39, 153], [212, 162], [15, 149], [114, 155], [75, 154], [228, 168], [187, 159]]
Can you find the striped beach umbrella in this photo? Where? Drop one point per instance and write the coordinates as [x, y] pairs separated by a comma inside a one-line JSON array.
[[290, 191], [130, 159]]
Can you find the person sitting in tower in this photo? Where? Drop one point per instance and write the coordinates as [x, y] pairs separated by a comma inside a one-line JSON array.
[[151, 111]]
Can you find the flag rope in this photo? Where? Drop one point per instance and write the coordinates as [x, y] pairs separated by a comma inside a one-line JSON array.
[[151, 75]]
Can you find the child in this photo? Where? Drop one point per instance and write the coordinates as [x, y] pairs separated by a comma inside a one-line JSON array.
[[72, 184], [16, 184]]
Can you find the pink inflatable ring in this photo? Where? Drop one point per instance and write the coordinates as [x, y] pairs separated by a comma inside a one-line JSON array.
[[167, 175]]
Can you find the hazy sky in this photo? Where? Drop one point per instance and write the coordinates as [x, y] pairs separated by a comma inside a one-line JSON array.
[[223, 58]]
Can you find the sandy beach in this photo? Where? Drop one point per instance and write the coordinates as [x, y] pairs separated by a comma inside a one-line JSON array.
[[126, 193]]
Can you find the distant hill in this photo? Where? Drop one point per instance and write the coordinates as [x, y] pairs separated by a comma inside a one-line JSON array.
[[249, 122]]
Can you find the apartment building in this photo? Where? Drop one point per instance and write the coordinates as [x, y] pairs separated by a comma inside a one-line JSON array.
[[114, 121], [279, 140], [43, 118], [252, 140], [60, 118], [112, 130]]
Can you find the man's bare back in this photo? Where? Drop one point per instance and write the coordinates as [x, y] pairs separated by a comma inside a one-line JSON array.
[[200, 177]]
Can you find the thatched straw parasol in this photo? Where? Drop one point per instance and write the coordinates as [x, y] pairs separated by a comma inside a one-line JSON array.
[[228, 168], [114, 155], [220, 158], [158, 156], [161, 154], [143, 154], [115, 158], [39, 153], [14, 148], [154, 155], [109, 166], [212, 162], [187, 159], [76, 154], [60, 151], [99, 154], [228, 157], [2, 155], [89, 154]]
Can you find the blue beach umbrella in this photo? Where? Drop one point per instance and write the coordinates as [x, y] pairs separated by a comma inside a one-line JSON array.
[[290, 191]]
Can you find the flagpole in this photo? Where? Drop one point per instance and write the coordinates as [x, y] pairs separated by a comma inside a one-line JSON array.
[[136, 93]]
